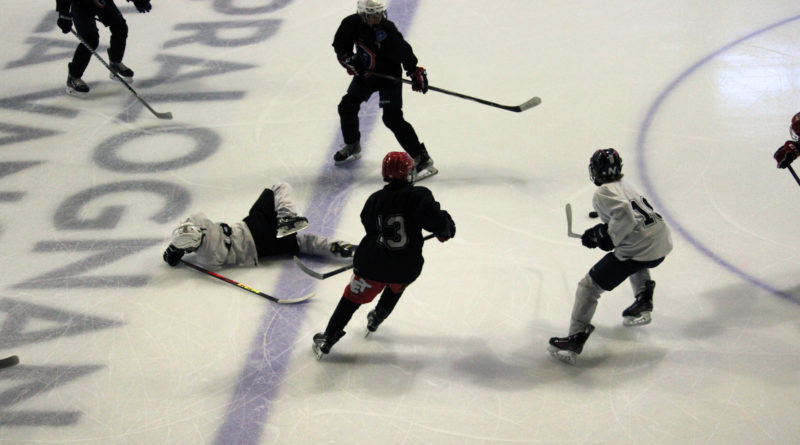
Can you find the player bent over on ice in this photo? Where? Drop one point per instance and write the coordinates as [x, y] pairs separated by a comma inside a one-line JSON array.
[[637, 240], [389, 256], [268, 230]]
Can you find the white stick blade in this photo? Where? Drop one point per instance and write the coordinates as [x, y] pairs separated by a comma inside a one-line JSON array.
[[530, 104]]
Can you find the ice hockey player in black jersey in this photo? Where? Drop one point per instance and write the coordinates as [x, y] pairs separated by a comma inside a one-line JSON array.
[[636, 239], [381, 48], [270, 229], [389, 257], [82, 14]]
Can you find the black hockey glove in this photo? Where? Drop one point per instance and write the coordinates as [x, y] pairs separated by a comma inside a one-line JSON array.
[[597, 236], [142, 6], [419, 79], [355, 64], [173, 255], [449, 232], [64, 22]]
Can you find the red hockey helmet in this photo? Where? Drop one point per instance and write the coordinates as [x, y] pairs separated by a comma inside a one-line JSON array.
[[795, 127], [398, 166]]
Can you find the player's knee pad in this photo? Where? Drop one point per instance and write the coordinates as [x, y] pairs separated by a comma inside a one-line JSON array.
[[92, 39], [588, 288], [349, 105], [393, 118], [119, 28]]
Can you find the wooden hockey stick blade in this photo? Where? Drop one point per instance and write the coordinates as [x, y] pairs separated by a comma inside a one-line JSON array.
[[570, 233], [9, 361], [247, 288], [317, 275]]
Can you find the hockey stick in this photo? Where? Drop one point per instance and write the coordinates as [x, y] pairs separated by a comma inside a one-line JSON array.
[[9, 361], [530, 103], [791, 170], [322, 276], [247, 288], [570, 233], [166, 115]]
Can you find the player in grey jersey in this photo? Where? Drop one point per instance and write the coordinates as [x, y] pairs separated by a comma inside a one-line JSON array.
[[637, 240], [268, 230]]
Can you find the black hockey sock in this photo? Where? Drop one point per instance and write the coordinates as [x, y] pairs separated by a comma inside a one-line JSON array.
[[341, 316], [387, 302]]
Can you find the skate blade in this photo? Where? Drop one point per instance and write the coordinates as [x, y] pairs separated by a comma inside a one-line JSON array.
[[286, 231], [425, 174], [641, 320], [348, 160], [317, 351], [126, 79], [568, 357], [76, 93]]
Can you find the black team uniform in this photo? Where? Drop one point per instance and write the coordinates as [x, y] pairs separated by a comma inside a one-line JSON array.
[[83, 13], [381, 49], [389, 257]]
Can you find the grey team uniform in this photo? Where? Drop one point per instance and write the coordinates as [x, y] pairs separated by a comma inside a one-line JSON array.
[[638, 234]]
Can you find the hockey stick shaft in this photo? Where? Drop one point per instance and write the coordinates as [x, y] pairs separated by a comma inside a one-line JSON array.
[[166, 115], [530, 103], [245, 287], [791, 170], [322, 276], [570, 233]]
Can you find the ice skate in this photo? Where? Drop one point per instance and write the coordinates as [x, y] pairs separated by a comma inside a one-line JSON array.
[[290, 224], [342, 249], [567, 348], [424, 165], [323, 343], [348, 153], [122, 70], [638, 314], [374, 319], [76, 87]]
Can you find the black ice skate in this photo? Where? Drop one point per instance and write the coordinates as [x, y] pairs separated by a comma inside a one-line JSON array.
[[323, 343], [348, 153], [288, 225], [122, 70], [374, 319], [343, 249], [76, 86], [567, 349], [424, 165], [638, 314]]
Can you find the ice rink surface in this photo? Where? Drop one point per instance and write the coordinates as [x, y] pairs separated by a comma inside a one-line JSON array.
[[116, 347]]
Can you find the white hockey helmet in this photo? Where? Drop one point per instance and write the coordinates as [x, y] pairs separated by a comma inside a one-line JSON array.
[[371, 9], [187, 236]]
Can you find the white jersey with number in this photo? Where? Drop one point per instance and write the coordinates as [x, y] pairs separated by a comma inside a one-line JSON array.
[[638, 232], [220, 247]]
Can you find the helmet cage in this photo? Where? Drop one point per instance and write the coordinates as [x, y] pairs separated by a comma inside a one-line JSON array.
[[368, 9]]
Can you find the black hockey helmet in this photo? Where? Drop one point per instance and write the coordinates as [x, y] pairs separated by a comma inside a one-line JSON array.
[[605, 166], [794, 128]]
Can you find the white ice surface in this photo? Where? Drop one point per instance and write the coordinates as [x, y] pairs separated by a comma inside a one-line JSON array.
[[696, 96]]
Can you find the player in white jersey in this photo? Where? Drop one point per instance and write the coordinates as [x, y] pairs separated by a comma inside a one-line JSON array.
[[637, 240], [268, 230]]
